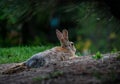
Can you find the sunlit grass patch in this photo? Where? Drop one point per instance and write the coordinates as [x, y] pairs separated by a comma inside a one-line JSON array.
[[19, 54]]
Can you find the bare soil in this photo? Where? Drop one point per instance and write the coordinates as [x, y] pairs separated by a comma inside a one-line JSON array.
[[80, 70]]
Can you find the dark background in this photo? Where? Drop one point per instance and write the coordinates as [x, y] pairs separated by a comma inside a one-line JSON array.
[[92, 24]]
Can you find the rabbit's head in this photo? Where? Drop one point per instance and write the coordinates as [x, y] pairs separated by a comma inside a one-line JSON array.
[[65, 43]]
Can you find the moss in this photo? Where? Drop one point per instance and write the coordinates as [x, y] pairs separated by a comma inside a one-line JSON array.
[[49, 76]]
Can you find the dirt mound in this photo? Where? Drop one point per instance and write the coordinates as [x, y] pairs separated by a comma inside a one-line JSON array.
[[80, 70]]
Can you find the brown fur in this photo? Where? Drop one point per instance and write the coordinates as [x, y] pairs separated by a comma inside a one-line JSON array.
[[60, 49]]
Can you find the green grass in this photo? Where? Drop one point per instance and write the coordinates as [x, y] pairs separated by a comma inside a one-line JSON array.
[[19, 54]]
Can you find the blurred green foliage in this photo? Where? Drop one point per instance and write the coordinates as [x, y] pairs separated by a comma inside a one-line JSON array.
[[97, 29], [91, 25]]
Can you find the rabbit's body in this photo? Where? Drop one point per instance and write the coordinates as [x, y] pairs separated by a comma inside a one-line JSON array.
[[53, 55]]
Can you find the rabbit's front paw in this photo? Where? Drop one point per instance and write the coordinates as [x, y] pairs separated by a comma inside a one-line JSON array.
[[73, 57]]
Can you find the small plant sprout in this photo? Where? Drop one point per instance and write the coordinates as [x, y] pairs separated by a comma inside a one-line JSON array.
[[97, 56]]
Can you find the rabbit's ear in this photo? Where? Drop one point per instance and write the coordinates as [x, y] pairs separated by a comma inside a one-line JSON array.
[[59, 35], [65, 34]]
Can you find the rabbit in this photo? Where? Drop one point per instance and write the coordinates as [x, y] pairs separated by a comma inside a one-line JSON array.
[[60, 53]]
